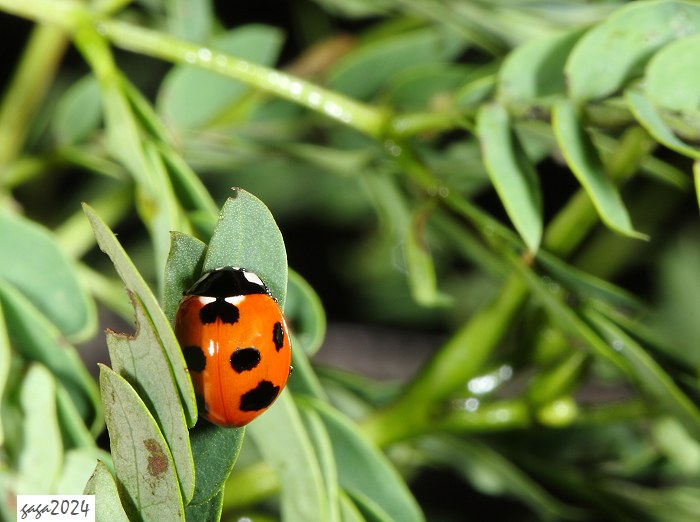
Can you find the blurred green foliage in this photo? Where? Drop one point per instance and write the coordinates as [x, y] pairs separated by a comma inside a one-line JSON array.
[[518, 177]]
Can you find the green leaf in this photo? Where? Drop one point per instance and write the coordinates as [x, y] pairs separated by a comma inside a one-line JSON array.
[[587, 286], [247, 236], [108, 506], [79, 112], [675, 443], [614, 345], [303, 380], [696, 177], [536, 69], [478, 87], [615, 51], [364, 470], [324, 452], [672, 78], [42, 452], [123, 136], [189, 19], [215, 451], [141, 360], [648, 375], [583, 159], [163, 213], [425, 85], [285, 445], [207, 511], [493, 474], [156, 201], [511, 173], [348, 510], [33, 263], [305, 315], [368, 68], [371, 511], [142, 460], [73, 430], [39, 340], [182, 269], [5, 356], [78, 465], [188, 188], [192, 97], [650, 117], [135, 283]]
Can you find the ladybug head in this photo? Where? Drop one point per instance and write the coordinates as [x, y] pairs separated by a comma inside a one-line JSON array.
[[228, 281]]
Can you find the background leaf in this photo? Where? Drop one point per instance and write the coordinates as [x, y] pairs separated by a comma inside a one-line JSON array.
[[652, 120], [42, 453], [511, 173], [305, 315], [33, 263], [364, 71], [536, 69], [584, 161], [364, 471], [615, 51], [108, 505], [677, 61], [37, 339], [5, 355], [79, 112], [285, 445]]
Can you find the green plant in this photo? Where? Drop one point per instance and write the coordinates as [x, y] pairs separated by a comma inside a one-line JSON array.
[[558, 384]]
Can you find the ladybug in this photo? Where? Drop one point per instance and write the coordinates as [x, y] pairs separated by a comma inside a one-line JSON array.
[[236, 345]]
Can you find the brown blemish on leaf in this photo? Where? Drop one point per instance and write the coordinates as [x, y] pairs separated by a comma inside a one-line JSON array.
[[157, 461]]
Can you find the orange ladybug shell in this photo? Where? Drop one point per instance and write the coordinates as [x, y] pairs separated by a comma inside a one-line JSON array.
[[236, 345]]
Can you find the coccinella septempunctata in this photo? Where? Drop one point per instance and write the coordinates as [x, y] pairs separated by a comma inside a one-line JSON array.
[[236, 345]]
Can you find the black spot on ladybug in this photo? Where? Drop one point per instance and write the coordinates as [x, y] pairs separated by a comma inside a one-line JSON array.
[[227, 312], [244, 359], [259, 397], [278, 336], [195, 358]]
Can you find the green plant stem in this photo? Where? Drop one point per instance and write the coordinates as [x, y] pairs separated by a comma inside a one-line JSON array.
[[500, 415], [72, 16], [562, 378], [410, 124], [28, 86], [368, 119], [374, 121], [462, 357]]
